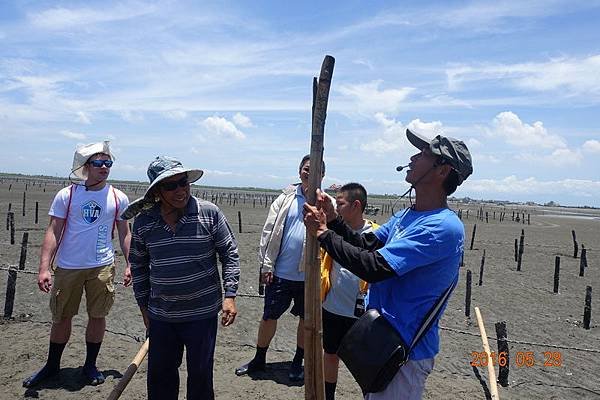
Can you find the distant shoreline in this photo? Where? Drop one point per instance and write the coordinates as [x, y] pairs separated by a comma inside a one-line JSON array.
[[464, 200]]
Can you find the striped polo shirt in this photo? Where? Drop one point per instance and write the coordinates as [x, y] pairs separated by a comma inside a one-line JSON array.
[[175, 274]]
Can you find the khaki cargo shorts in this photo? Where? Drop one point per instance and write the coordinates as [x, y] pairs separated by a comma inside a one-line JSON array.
[[68, 287]]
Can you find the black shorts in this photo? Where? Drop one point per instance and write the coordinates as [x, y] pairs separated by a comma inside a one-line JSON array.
[[334, 328], [279, 295]]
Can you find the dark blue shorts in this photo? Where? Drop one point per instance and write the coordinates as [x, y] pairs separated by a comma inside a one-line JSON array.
[[279, 295], [334, 328]]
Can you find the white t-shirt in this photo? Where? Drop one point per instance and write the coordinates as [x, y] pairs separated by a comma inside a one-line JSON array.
[[341, 297], [87, 241]]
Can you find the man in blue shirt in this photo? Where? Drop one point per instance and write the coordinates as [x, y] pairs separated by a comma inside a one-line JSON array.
[[412, 259]]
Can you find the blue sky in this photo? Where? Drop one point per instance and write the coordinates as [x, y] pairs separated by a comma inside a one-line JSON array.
[[227, 87]]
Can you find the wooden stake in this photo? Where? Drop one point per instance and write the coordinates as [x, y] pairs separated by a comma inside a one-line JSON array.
[[473, 236], [11, 287], [131, 370], [502, 342], [587, 310], [583, 261], [468, 295], [486, 348], [481, 269], [314, 382], [23, 256], [556, 273]]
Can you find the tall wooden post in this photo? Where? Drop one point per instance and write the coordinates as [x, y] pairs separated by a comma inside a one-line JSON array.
[[314, 382], [23, 256], [503, 362], [583, 260], [473, 236], [468, 294], [521, 249], [556, 273], [587, 310], [481, 269]]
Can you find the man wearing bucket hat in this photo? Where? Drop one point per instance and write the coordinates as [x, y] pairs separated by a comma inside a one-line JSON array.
[[410, 261], [83, 217], [176, 240]]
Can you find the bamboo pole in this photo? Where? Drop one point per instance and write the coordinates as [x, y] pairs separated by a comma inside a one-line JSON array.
[[314, 381], [486, 348], [129, 372]]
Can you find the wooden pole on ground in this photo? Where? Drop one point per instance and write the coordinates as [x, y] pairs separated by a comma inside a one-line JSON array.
[[473, 236], [503, 356], [11, 287], [240, 221], [556, 273], [468, 295], [481, 269], [587, 310], [575, 246], [314, 383], [583, 261], [12, 228], [486, 348], [23, 256], [521, 249], [129, 372]]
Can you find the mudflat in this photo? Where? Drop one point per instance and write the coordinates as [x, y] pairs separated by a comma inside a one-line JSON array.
[[551, 355]]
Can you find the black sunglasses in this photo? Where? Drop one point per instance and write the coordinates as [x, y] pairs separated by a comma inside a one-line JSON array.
[[100, 163], [172, 185]]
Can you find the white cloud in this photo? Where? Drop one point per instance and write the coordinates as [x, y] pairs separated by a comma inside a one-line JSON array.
[[369, 97], [83, 118], [591, 146], [393, 137], [242, 120], [63, 18], [511, 185], [561, 157], [73, 135], [220, 126], [131, 116], [429, 129], [177, 115], [509, 126], [364, 62], [567, 76], [473, 143]]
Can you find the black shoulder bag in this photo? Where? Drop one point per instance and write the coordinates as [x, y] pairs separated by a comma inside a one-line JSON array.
[[374, 351]]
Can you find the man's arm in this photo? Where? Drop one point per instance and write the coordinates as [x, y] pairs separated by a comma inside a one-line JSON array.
[[49, 247], [369, 265], [139, 260], [265, 264], [366, 241], [125, 242], [226, 247]]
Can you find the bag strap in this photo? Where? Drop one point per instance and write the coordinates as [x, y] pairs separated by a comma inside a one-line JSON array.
[[112, 233], [432, 315], [64, 228]]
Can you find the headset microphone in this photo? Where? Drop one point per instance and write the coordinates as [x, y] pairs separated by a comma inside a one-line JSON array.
[[401, 167]]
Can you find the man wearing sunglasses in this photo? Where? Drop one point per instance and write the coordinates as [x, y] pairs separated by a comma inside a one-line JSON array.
[[176, 241], [83, 217]]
